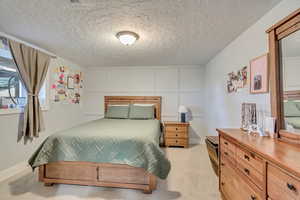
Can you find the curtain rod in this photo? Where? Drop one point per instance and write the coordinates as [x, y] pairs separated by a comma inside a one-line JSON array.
[[28, 44]]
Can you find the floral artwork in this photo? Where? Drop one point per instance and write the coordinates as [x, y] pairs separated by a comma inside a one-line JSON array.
[[67, 85], [237, 80]]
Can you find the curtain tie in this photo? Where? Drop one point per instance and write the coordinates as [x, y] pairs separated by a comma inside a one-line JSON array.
[[31, 94]]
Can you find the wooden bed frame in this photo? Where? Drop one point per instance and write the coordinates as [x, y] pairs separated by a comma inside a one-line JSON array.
[[291, 95], [104, 174]]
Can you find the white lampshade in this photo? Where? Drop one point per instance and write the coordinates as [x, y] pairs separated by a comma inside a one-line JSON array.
[[182, 109]]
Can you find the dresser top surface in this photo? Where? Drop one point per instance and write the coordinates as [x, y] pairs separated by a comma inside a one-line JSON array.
[[283, 154], [176, 123]]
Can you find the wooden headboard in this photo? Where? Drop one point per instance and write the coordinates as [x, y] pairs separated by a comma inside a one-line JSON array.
[[291, 95], [155, 100]]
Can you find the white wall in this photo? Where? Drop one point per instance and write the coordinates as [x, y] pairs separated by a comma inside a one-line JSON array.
[[176, 84], [224, 109], [58, 117]]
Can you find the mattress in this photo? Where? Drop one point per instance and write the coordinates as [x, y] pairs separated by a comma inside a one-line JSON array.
[[119, 141]]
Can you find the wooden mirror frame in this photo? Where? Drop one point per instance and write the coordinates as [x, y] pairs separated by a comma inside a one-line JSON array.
[[280, 30]]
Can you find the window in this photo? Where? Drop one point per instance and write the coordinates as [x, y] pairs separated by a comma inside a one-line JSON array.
[[13, 95]]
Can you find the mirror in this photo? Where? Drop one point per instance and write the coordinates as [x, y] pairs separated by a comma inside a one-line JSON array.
[[289, 48]]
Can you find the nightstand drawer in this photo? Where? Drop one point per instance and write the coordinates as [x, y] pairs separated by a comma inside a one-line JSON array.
[[175, 129], [173, 134], [176, 142]]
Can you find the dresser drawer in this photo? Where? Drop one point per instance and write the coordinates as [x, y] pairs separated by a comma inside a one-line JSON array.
[[250, 159], [227, 181], [281, 185], [174, 134], [234, 187], [228, 154], [176, 129], [250, 172], [227, 145], [176, 142]]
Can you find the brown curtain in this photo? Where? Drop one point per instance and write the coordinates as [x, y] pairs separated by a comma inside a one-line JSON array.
[[32, 66]]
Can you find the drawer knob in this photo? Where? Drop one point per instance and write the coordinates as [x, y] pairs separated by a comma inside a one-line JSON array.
[[226, 143], [222, 183], [291, 187], [176, 129], [226, 153], [176, 141], [176, 135], [247, 171], [222, 164], [246, 157], [98, 177], [253, 197]]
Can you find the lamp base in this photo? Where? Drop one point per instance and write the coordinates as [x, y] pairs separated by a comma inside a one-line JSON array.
[[182, 117]]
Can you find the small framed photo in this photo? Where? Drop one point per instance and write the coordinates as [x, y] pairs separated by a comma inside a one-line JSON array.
[[70, 82], [259, 74]]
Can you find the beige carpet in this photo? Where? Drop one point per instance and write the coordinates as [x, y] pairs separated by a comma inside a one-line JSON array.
[[191, 178]]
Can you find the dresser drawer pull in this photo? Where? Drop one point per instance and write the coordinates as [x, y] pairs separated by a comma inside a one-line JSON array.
[[222, 164], [226, 143], [97, 169], [222, 183], [253, 197], [226, 153], [291, 187], [246, 171], [246, 157], [176, 129], [176, 135], [176, 141]]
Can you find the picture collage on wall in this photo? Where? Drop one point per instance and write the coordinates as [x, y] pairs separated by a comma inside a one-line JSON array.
[[67, 85], [237, 80], [259, 77]]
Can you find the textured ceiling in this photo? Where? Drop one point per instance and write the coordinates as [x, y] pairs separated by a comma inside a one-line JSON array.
[[172, 32]]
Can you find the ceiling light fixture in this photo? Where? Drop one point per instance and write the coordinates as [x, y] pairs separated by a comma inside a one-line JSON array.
[[127, 37]]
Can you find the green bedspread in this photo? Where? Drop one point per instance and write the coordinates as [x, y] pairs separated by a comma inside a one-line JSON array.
[[294, 121], [120, 141]]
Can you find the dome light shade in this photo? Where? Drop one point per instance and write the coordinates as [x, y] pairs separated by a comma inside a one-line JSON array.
[[127, 37]]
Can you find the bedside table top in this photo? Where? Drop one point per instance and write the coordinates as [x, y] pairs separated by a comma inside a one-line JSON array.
[[175, 123]]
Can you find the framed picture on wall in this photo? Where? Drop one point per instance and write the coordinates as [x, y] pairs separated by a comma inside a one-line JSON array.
[[259, 74], [70, 82]]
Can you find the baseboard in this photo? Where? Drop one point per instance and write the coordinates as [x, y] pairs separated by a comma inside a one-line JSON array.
[[12, 171]]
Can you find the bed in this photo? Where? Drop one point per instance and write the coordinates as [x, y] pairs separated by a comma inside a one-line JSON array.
[[121, 153]]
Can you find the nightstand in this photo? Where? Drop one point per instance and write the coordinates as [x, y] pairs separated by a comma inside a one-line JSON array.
[[176, 133]]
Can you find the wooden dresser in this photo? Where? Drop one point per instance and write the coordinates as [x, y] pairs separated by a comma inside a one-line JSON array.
[[176, 133], [256, 168]]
